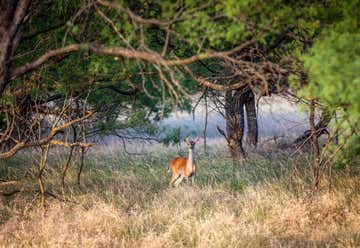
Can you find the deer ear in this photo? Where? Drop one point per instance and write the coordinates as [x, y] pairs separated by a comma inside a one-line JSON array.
[[186, 140], [196, 140]]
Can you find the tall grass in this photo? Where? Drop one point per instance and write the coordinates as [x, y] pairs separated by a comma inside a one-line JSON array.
[[124, 201]]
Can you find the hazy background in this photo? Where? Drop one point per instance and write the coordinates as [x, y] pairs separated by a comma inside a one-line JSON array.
[[276, 117]]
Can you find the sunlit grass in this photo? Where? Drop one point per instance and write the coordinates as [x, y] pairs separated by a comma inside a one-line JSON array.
[[124, 201]]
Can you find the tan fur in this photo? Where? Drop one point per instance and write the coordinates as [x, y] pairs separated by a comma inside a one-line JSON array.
[[178, 169], [183, 167]]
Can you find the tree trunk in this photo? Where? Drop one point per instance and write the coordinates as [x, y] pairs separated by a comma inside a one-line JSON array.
[[12, 14], [81, 165], [252, 133], [43, 160], [234, 111], [315, 146]]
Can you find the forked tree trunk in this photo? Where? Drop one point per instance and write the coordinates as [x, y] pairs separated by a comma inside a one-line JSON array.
[[234, 111]]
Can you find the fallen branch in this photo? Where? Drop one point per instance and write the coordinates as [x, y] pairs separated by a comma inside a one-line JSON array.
[[8, 183]]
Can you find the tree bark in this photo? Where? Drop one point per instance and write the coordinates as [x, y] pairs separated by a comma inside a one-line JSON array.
[[234, 111], [12, 14], [252, 132], [235, 101]]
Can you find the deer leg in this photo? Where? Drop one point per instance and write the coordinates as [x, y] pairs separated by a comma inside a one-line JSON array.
[[173, 179], [193, 175], [178, 180], [193, 179]]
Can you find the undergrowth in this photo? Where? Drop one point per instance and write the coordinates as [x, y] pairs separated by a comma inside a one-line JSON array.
[[124, 201]]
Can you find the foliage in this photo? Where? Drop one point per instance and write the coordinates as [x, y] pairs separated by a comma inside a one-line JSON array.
[[333, 63], [333, 66]]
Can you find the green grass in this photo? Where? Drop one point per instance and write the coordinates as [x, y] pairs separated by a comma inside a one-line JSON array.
[[124, 201]]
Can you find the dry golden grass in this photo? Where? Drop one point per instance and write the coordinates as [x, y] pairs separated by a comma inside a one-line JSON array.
[[125, 202]]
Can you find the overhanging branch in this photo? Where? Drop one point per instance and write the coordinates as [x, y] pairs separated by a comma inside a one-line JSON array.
[[213, 85], [123, 52]]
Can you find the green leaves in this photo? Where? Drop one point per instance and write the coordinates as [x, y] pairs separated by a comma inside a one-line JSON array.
[[327, 32], [333, 66]]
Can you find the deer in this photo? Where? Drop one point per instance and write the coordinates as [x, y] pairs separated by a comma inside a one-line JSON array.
[[183, 167]]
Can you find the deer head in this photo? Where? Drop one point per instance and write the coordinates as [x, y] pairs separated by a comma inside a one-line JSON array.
[[191, 143]]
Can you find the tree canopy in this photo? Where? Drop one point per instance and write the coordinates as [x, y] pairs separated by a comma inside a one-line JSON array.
[[152, 56]]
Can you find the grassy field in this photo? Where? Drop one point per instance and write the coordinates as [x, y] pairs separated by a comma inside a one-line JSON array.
[[125, 201]]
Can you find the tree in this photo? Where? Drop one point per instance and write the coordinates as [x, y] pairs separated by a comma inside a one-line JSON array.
[[332, 65], [133, 62], [141, 48]]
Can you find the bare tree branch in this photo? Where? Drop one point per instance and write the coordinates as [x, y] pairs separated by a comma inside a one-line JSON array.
[[213, 85], [44, 141]]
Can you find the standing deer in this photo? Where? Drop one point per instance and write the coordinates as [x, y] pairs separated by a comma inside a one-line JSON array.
[[183, 167]]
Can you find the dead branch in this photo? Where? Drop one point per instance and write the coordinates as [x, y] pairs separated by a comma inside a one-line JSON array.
[[44, 141], [198, 101], [8, 183], [222, 132]]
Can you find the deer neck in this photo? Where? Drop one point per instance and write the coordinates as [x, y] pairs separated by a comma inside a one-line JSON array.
[[190, 161]]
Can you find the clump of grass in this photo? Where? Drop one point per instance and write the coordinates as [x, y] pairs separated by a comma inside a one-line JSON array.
[[124, 201]]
